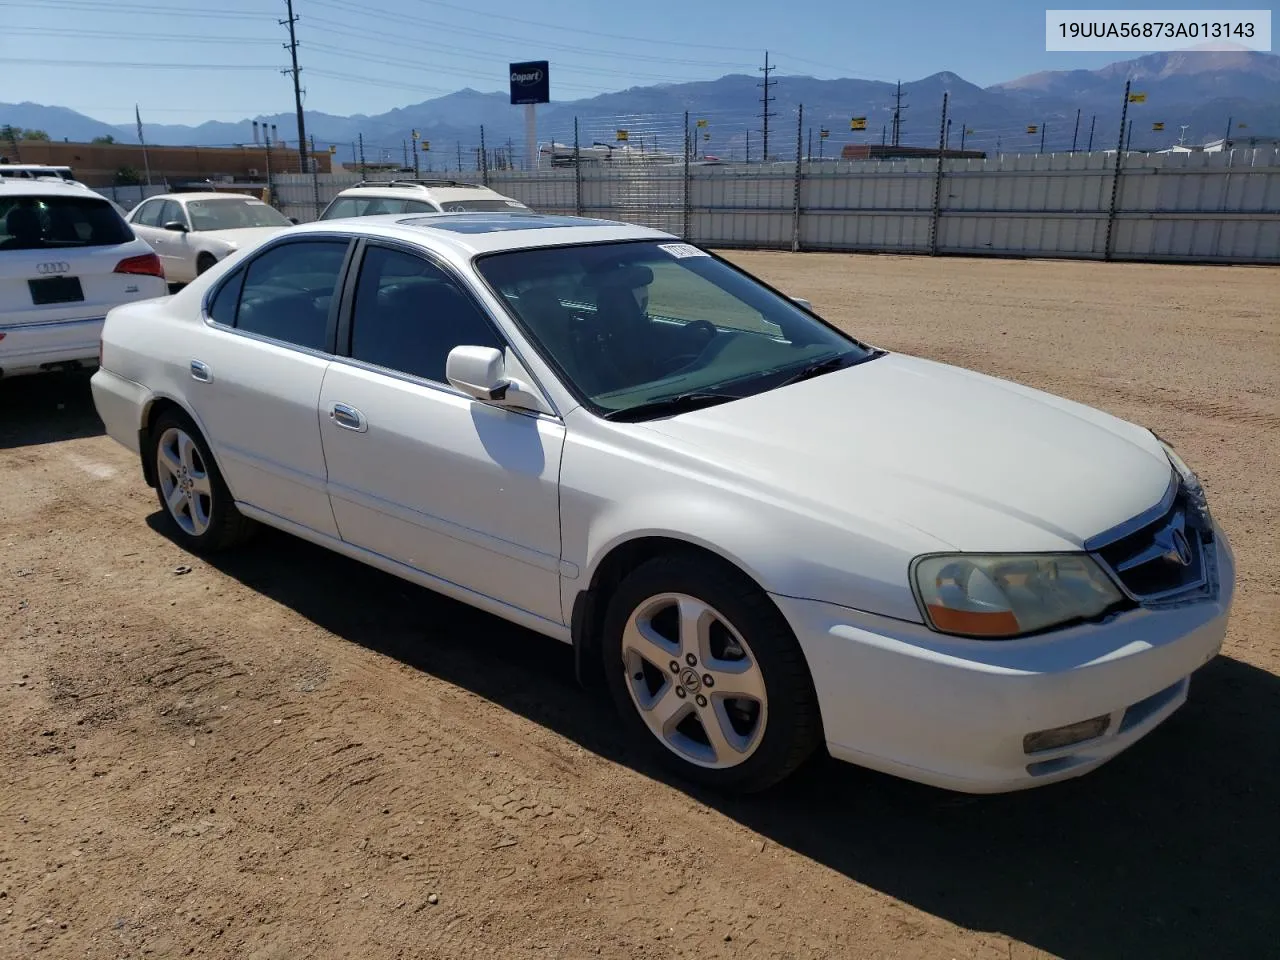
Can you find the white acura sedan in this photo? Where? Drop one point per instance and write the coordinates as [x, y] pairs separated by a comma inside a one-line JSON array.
[[761, 534], [193, 231]]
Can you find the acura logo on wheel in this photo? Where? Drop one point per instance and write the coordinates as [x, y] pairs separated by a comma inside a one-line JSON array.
[[53, 266]]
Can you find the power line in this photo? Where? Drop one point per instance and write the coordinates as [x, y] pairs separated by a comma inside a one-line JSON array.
[[765, 100], [591, 33]]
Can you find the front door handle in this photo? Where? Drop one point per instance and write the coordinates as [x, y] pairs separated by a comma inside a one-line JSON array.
[[200, 371], [349, 417]]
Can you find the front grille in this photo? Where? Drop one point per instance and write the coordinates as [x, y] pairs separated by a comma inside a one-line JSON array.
[[1167, 557]]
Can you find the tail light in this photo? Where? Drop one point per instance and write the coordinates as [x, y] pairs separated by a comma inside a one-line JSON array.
[[147, 265]]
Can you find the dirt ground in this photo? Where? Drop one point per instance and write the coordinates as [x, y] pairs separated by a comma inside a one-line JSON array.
[[287, 755]]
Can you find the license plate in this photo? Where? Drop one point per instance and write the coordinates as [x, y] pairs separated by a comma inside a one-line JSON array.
[[55, 290]]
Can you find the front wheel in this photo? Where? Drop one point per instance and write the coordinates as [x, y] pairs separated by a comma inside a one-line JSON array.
[[707, 674]]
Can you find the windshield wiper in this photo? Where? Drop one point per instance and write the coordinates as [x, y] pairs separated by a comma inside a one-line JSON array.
[[680, 403], [827, 365]]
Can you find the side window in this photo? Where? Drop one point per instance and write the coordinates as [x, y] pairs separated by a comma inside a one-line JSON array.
[[343, 207], [149, 213], [223, 307], [289, 289], [172, 211], [409, 314], [419, 206]]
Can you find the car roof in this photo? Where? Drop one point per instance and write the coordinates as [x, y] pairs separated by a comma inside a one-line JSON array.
[[468, 234], [44, 187], [432, 190], [204, 195]]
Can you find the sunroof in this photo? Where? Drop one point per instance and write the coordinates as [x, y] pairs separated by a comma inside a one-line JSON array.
[[495, 222]]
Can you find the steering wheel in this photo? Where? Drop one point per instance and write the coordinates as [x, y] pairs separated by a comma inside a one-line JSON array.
[[699, 333]]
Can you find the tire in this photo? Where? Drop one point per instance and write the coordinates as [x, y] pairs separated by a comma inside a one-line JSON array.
[[204, 262], [766, 733], [192, 493]]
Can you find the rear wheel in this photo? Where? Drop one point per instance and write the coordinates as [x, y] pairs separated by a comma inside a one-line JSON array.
[[707, 675], [191, 489], [204, 262]]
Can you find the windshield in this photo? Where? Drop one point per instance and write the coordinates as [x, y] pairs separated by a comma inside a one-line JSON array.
[[51, 223], [234, 213], [636, 323], [471, 206]]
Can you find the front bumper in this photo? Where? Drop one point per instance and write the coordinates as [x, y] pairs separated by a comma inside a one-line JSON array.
[[952, 713], [33, 347]]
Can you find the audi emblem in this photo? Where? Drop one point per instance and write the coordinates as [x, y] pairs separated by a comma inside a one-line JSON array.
[[52, 267]]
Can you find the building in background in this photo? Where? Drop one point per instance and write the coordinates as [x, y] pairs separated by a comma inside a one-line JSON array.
[[121, 164]]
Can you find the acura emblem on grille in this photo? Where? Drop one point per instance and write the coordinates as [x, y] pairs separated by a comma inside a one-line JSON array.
[[1181, 548], [53, 266]]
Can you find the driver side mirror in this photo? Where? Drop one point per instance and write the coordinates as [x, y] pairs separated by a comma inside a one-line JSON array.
[[479, 372], [176, 225]]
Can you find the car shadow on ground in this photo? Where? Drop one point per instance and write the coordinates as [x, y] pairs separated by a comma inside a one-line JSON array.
[[45, 408], [1171, 850]]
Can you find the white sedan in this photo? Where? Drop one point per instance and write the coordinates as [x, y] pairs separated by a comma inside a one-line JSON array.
[[761, 534], [193, 231]]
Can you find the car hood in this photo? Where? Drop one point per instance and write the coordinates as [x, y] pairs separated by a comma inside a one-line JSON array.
[[241, 237], [976, 462]]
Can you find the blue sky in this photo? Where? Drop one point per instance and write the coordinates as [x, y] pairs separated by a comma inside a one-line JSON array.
[[184, 61]]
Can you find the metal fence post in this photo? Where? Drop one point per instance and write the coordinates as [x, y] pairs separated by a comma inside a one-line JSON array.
[[1115, 178], [937, 181], [577, 170], [687, 209], [315, 176], [484, 159], [795, 210]]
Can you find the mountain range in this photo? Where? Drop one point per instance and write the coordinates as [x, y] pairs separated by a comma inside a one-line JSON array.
[[1204, 90]]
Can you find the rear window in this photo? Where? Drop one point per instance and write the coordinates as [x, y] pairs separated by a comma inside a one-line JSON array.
[[344, 207], [469, 206], [55, 223]]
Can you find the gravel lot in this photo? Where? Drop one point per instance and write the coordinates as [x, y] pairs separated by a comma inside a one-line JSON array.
[[288, 755]]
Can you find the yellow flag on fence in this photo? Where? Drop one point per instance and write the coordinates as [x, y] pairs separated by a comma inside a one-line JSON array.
[[1157, 126], [1137, 98], [858, 123], [1032, 128], [702, 123], [622, 135]]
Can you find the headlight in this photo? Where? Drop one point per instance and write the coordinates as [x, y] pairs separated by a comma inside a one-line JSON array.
[[1190, 482], [1000, 596]]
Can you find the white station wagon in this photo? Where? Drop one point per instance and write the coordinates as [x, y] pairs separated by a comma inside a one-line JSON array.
[[762, 535]]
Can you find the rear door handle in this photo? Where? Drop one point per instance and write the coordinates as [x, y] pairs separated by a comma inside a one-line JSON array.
[[348, 417], [200, 371]]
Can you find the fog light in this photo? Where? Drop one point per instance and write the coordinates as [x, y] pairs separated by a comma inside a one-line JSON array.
[[1065, 736]]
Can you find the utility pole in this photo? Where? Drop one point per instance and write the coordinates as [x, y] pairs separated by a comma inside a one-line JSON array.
[[1077, 131], [1043, 126], [1092, 121], [315, 179], [963, 130], [1128, 140], [292, 47], [459, 143], [360, 136], [765, 100], [897, 116]]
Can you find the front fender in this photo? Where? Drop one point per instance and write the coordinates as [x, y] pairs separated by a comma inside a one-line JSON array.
[[611, 496]]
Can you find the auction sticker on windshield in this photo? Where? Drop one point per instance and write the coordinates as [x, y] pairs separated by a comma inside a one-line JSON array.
[[682, 250]]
